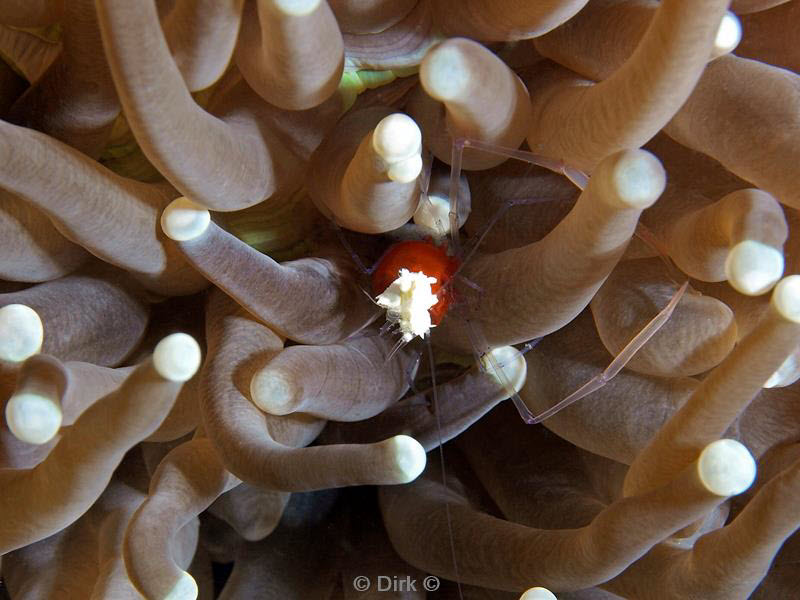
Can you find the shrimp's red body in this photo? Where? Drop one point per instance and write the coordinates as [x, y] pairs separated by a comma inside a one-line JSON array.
[[418, 257]]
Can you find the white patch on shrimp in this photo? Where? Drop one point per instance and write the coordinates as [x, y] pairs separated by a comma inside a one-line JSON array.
[[407, 301]]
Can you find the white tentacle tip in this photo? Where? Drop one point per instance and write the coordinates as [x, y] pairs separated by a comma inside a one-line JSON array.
[[445, 72], [511, 364], [538, 593], [752, 268], [33, 418], [638, 178], [177, 357], [184, 589], [21, 332], [405, 171], [296, 8], [433, 214], [726, 467], [397, 140], [272, 392], [409, 457], [184, 219], [729, 34], [786, 298]]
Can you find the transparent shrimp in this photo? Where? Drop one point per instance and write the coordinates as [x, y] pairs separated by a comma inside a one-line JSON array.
[[448, 272]]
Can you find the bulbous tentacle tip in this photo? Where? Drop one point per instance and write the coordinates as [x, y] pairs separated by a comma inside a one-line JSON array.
[[21, 332], [177, 357], [786, 298], [726, 467], [444, 72], [408, 456], [538, 593], [273, 393], [728, 35], [296, 8], [398, 141], [433, 214], [184, 589], [752, 268], [405, 171], [184, 220], [512, 367], [637, 178], [33, 418]]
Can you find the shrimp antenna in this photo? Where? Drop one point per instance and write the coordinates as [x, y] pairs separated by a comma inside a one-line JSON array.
[[411, 371], [492, 222], [441, 461], [348, 247], [368, 295], [577, 177], [424, 197], [425, 173], [400, 343], [486, 229]]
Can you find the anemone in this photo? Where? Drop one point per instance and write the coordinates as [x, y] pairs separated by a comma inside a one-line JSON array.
[[271, 269]]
